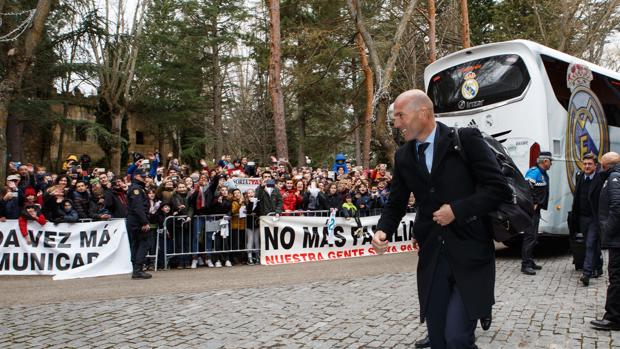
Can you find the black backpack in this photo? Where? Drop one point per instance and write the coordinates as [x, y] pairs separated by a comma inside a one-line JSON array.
[[514, 216]]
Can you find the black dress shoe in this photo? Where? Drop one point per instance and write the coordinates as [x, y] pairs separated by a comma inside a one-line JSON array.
[[605, 325], [597, 273], [423, 343], [585, 280], [485, 322], [528, 271], [536, 266], [141, 275]]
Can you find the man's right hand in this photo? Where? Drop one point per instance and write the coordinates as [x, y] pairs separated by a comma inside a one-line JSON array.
[[379, 242]]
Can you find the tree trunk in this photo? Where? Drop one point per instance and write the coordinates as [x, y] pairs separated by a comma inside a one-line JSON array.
[[14, 136], [61, 136], [465, 25], [432, 48], [357, 138], [275, 85], [301, 155], [369, 88], [383, 77], [383, 135], [115, 152], [218, 127], [16, 66]]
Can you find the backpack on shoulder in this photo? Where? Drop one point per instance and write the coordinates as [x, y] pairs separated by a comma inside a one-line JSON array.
[[514, 216]]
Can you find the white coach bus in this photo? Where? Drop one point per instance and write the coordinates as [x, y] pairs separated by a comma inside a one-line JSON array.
[[532, 98]]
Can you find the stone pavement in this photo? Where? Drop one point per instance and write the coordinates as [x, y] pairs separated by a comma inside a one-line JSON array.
[[549, 310]]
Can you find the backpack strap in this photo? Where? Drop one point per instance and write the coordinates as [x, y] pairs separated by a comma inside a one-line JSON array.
[[458, 146]]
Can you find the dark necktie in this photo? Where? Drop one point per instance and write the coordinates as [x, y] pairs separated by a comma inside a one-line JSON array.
[[421, 156]]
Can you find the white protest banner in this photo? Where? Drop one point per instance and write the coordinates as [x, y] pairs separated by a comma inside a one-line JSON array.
[[65, 250], [244, 184], [295, 239]]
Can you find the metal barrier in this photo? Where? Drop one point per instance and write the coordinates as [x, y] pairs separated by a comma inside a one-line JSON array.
[[325, 213], [220, 238]]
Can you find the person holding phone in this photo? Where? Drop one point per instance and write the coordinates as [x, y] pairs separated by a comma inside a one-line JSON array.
[[9, 205]]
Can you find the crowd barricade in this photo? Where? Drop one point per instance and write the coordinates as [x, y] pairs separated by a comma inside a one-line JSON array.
[[217, 237], [326, 213]]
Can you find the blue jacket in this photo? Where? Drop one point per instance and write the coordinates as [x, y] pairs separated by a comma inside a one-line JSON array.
[[538, 179], [340, 162]]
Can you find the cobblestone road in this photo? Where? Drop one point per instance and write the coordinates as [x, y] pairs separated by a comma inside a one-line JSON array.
[[549, 310]]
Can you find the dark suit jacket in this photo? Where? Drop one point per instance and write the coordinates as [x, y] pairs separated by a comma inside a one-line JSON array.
[[472, 190], [593, 194]]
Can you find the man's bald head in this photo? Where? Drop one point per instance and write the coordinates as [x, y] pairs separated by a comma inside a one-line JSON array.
[[413, 115], [609, 160], [415, 99]]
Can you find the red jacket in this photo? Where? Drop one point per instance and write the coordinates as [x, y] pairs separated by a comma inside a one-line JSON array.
[[23, 223], [290, 199]]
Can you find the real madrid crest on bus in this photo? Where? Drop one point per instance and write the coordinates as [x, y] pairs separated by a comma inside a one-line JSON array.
[[470, 87], [586, 131]]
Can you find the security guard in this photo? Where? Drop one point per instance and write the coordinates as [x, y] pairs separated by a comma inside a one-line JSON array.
[[538, 179], [138, 224]]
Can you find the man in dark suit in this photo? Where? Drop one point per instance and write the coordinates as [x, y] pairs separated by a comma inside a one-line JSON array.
[[456, 265], [584, 215], [609, 220]]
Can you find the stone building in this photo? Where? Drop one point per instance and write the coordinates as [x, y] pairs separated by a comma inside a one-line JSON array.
[[29, 142]]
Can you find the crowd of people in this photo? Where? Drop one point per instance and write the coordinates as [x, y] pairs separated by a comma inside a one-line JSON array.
[[197, 199]]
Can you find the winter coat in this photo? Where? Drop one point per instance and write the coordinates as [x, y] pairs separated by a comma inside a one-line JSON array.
[[25, 217], [609, 210]]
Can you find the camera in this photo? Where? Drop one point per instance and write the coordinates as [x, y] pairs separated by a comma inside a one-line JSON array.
[[146, 164]]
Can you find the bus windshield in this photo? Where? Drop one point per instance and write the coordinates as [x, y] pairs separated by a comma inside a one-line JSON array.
[[478, 83]]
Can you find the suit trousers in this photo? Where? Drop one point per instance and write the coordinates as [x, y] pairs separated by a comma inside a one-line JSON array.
[[448, 324], [530, 240], [593, 259], [612, 303]]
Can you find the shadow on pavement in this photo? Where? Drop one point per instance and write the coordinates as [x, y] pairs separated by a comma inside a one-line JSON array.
[[548, 246]]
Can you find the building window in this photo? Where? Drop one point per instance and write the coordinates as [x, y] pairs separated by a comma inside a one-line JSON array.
[[80, 133], [139, 137]]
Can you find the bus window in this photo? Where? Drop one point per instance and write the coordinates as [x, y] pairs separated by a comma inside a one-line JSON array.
[[605, 88], [478, 83]]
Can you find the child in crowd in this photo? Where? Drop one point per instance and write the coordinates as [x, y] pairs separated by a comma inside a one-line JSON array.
[[68, 213], [349, 210], [31, 212]]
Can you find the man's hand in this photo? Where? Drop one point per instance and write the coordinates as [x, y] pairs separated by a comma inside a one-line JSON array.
[[146, 228], [379, 242], [105, 216], [444, 215], [416, 246]]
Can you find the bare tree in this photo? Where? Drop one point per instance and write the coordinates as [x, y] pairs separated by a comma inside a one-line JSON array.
[[383, 76], [115, 53], [369, 88], [275, 84], [465, 25], [432, 37], [19, 58]]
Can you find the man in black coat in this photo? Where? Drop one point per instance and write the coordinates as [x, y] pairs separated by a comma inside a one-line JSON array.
[[456, 266], [609, 220], [137, 223], [584, 216]]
